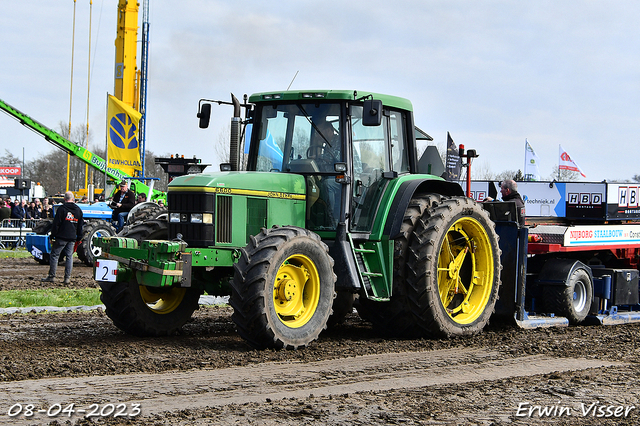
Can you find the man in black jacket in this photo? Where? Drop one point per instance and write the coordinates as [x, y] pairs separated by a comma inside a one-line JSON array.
[[66, 230], [121, 203], [509, 192]]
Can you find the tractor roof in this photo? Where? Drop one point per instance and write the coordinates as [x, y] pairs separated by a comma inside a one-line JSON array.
[[341, 95]]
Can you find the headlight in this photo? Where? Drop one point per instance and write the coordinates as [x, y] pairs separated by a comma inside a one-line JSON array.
[[196, 217], [207, 218], [174, 217]]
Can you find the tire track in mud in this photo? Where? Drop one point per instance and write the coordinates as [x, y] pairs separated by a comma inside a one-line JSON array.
[[172, 391]]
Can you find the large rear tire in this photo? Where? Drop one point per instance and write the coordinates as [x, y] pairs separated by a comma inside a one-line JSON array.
[[142, 213], [87, 251], [156, 229], [148, 311], [453, 269], [394, 317], [283, 288]]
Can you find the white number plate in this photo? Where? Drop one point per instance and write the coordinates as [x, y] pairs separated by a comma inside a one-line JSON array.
[[106, 270]]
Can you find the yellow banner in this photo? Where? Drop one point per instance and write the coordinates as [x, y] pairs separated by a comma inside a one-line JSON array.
[[123, 148]]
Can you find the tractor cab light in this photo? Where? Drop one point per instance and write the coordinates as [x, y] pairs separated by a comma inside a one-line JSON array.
[[272, 96]]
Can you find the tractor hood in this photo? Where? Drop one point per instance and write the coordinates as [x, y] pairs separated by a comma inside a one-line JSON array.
[[278, 185]]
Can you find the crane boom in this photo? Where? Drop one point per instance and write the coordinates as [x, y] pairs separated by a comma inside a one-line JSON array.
[[126, 49]]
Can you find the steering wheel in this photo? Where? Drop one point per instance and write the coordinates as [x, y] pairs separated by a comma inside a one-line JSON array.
[[315, 152]]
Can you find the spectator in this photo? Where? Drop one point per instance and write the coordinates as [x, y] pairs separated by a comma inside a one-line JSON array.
[[19, 211], [122, 202], [32, 211], [142, 198], [38, 206], [84, 200], [66, 230], [47, 211], [509, 192], [161, 203], [5, 211]]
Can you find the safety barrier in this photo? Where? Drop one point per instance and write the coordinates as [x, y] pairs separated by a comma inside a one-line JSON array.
[[13, 231]]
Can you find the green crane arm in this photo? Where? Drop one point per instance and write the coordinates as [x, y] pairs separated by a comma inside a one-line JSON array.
[[82, 153], [57, 140]]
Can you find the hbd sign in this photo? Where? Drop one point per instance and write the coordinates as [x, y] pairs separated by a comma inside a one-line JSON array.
[[10, 171]]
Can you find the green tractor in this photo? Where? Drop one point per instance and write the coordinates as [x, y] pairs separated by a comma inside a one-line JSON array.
[[323, 210]]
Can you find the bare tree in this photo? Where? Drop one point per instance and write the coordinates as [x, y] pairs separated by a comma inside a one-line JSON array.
[[8, 159], [482, 171], [564, 176], [221, 145]]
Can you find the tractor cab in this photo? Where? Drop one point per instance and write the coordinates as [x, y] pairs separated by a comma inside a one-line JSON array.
[[347, 148]]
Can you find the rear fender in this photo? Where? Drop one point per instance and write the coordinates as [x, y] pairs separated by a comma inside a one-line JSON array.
[[556, 272], [406, 192]]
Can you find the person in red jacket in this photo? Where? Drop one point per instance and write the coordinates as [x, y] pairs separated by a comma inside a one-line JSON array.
[[66, 229], [121, 203]]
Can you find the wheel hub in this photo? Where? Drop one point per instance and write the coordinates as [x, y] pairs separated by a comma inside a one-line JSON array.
[[296, 291], [464, 271]]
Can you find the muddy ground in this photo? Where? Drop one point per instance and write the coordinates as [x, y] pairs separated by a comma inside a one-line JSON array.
[[208, 375]]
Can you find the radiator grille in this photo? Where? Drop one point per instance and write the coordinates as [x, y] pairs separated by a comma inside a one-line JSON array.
[[224, 219]]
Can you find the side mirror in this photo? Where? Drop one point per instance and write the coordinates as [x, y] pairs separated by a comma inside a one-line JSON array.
[[204, 115], [372, 113]]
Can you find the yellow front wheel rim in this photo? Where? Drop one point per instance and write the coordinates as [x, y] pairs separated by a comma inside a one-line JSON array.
[[162, 302], [465, 271], [296, 291]]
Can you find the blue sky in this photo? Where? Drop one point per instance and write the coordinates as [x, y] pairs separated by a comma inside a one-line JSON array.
[[491, 73]]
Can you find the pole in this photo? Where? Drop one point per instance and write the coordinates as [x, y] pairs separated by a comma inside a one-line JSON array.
[[144, 61], [73, 39]]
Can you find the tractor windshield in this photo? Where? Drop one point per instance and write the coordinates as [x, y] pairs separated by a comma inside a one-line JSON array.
[[292, 137], [302, 138]]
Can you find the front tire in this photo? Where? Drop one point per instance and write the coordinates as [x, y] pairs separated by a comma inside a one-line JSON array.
[[453, 273], [148, 311], [283, 288]]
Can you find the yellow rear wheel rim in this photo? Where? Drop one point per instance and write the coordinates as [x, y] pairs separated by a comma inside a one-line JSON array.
[[465, 271], [163, 302], [296, 291]]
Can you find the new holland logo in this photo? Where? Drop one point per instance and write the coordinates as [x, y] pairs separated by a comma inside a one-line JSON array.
[[122, 131]]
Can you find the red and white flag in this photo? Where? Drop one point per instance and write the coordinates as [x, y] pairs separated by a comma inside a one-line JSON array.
[[566, 163]]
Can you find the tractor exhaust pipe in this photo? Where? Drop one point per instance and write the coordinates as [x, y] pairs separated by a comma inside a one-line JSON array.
[[234, 143]]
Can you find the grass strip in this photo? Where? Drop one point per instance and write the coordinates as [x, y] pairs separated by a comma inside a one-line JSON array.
[[6, 254], [61, 297]]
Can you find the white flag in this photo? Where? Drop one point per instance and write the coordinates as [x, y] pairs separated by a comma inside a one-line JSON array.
[[531, 171], [566, 163]]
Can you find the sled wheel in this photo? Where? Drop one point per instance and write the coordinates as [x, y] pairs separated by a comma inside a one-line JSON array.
[[148, 311], [573, 300], [283, 288], [455, 269]]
